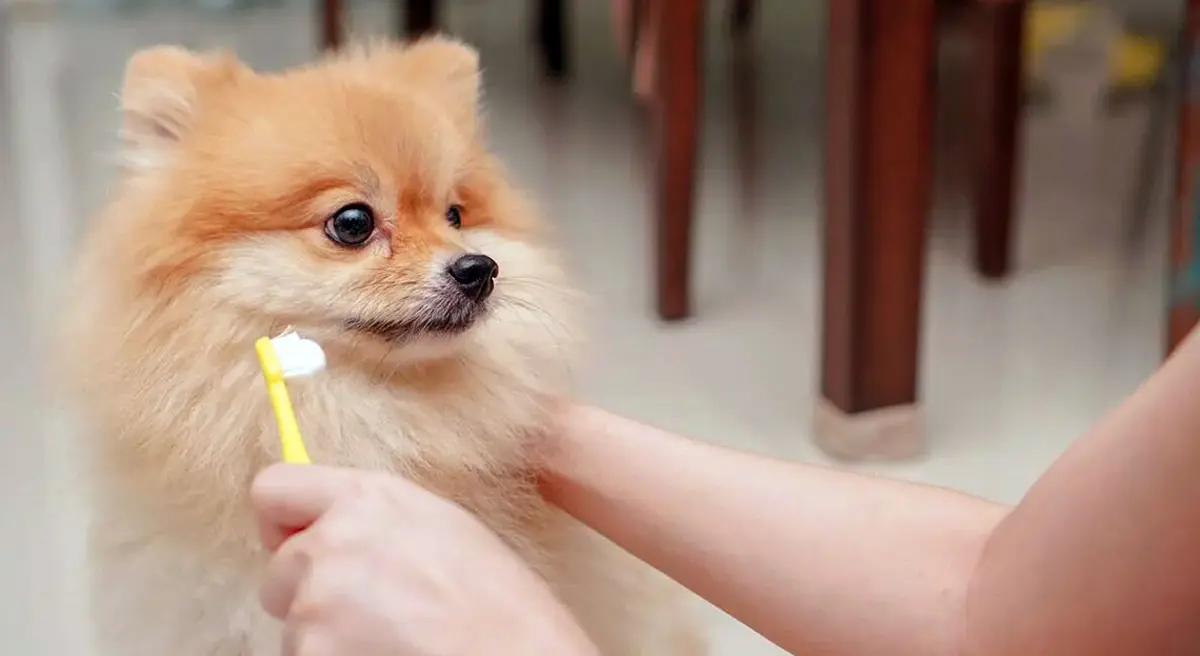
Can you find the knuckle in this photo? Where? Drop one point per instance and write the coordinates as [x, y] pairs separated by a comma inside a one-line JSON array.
[[367, 487], [329, 537], [376, 491], [371, 504]]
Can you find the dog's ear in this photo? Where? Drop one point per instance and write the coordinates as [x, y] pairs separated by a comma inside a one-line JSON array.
[[444, 69], [451, 68], [163, 90]]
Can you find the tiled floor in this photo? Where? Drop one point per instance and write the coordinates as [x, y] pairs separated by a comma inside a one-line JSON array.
[[1013, 371]]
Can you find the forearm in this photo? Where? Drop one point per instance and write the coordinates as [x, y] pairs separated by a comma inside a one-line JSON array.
[[1100, 556], [815, 560]]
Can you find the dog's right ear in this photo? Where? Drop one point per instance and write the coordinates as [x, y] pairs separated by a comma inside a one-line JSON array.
[[163, 90]]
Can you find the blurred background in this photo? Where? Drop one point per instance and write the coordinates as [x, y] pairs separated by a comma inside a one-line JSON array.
[[947, 235]]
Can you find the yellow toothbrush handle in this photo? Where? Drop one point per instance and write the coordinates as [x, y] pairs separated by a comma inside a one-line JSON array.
[[289, 431]]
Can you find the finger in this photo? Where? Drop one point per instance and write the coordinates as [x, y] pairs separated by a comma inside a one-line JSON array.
[[287, 569], [289, 498]]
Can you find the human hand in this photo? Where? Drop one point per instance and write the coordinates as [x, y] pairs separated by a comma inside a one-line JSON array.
[[366, 563]]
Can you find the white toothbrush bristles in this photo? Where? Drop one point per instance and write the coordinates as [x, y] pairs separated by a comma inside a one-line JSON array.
[[298, 356]]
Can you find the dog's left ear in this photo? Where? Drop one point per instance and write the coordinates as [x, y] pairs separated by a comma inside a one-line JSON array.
[[164, 90], [445, 70]]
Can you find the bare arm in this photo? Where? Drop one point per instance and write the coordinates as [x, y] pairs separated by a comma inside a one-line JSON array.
[[1100, 557], [817, 561], [1103, 555]]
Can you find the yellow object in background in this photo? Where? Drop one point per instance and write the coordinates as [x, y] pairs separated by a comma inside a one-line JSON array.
[[1137, 61]]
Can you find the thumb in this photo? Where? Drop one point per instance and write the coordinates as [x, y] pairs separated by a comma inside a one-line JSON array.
[[289, 498]]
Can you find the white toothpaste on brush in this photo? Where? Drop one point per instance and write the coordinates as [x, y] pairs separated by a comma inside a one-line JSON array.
[[298, 356]]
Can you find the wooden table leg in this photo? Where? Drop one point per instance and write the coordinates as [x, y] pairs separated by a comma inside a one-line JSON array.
[[676, 124], [999, 96], [553, 38], [330, 23], [741, 16], [878, 168], [419, 17], [1184, 311]]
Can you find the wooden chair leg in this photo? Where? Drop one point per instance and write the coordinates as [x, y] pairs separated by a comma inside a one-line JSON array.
[[676, 124], [999, 31], [747, 131], [741, 16], [878, 189], [330, 23], [1183, 310], [636, 18], [552, 38], [419, 17]]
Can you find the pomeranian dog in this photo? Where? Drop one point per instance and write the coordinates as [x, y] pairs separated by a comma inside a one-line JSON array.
[[355, 201]]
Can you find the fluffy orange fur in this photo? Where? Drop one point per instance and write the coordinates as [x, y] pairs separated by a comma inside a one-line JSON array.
[[217, 234]]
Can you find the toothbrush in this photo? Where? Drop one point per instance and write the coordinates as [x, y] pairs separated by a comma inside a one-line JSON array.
[[288, 356]]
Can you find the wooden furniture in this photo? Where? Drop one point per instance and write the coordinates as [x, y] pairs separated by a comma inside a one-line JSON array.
[[1184, 305], [999, 30], [878, 192], [420, 17], [675, 118], [415, 17]]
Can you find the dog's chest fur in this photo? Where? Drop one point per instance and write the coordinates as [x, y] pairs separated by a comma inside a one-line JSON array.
[[193, 444], [175, 549]]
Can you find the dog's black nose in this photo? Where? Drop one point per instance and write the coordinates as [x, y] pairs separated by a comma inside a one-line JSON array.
[[475, 274]]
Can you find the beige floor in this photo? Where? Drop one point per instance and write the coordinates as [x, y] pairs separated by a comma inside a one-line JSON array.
[[1013, 371]]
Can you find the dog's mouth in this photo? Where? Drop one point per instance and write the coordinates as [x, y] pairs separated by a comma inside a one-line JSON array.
[[442, 322]]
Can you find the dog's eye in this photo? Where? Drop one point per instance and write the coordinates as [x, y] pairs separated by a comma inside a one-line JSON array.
[[352, 225], [454, 216]]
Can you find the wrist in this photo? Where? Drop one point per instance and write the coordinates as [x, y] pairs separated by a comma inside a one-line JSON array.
[[560, 449]]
